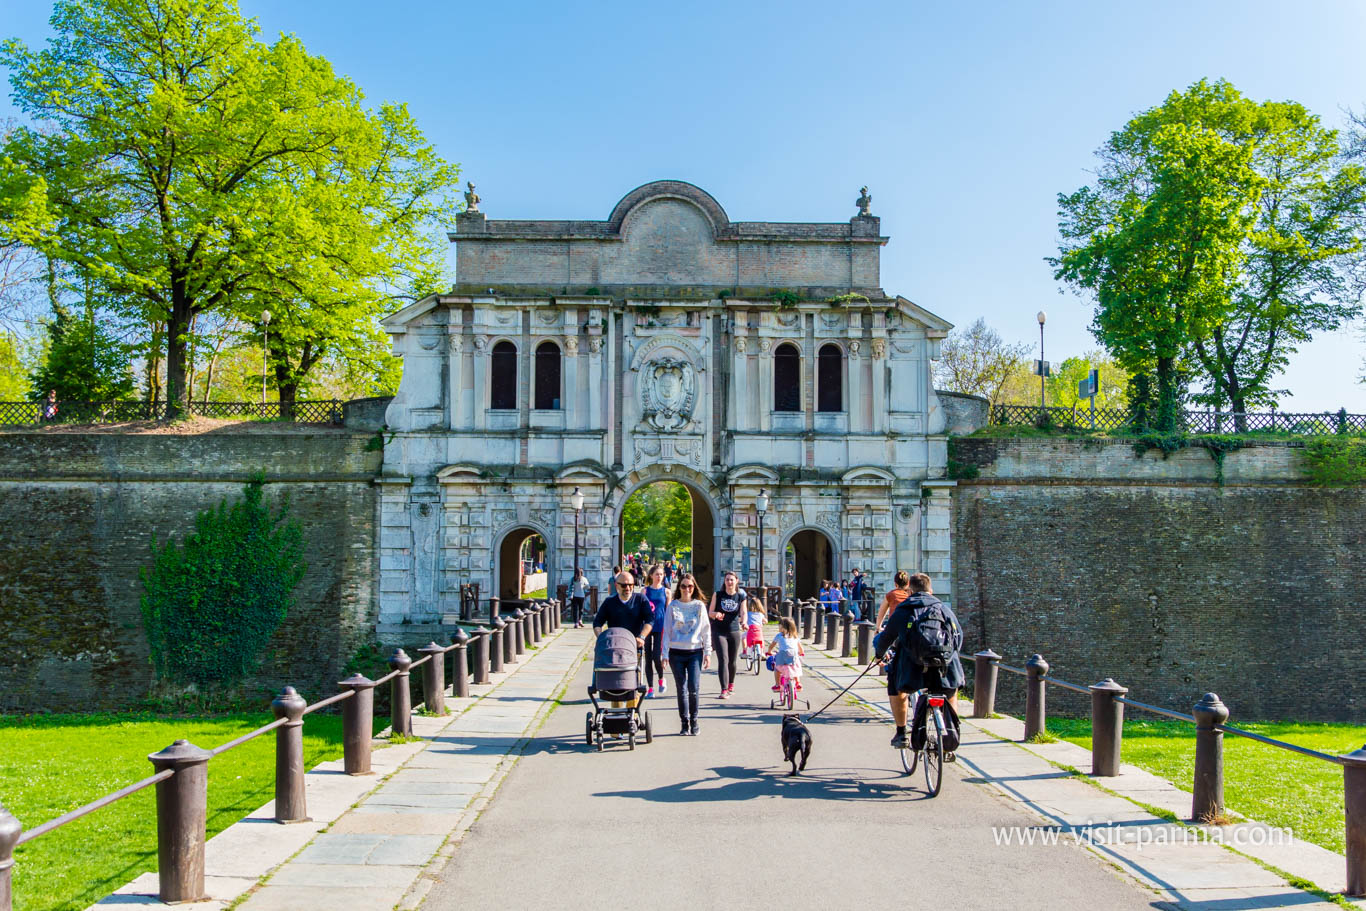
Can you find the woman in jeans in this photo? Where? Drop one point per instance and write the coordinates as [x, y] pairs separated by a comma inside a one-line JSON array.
[[727, 629], [687, 647], [658, 596]]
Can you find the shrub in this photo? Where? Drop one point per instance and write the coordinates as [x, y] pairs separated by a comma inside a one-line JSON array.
[[210, 605]]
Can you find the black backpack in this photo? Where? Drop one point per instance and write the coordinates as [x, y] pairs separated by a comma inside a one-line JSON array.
[[929, 637]]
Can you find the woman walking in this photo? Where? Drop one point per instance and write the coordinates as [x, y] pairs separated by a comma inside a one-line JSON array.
[[727, 629], [687, 647], [658, 596]]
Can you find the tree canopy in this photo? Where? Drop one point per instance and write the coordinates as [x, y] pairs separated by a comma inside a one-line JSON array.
[[976, 361], [190, 168], [1214, 240], [659, 514]]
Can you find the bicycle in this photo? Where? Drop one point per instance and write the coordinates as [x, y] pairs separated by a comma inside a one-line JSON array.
[[754, 659], [933, 746], [787, 695]]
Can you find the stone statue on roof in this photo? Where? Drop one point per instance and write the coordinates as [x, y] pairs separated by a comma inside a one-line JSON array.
[[864, 202], [471, 198]]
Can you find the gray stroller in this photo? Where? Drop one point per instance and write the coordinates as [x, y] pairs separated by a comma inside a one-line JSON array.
[[616, 678]]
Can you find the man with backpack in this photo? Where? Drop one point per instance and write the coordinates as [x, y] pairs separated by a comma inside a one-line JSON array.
[[927, 637]]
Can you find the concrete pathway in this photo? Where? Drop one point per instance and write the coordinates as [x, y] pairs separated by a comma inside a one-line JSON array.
[[1184, 864], [714, 821]]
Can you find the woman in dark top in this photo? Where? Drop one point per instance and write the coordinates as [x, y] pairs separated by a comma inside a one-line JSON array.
[[658, 596], [727, 629]]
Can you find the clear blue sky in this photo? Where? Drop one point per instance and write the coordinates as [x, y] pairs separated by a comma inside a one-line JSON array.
[[965, 120]]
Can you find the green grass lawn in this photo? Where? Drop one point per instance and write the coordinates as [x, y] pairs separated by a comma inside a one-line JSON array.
[[50, 764], [538, 595], [1270, 785]]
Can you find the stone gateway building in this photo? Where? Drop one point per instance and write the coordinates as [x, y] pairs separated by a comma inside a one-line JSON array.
[[666, 343]]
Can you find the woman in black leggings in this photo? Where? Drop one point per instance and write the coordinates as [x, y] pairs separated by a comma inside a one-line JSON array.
[[727, 629]]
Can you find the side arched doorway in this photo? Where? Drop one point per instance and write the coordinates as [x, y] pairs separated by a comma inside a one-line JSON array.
[[522, 561], [695, 548], [808, 559]]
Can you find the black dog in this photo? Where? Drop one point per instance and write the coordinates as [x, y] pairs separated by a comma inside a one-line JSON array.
[[796, 739]]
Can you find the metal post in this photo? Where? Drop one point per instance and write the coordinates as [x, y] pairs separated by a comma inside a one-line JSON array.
[[1107, 727], [496, 637], [182, 809], [537, 622], [519, 630], [787, 609], [530, 635], [358, 721], [400, 695], [495, 605], [831, 631], [10, 829], [1036, 669], [847, 634], [509, 642], [984, 683], [481, 655], [1354, 793], [807, 613], [460, 669], [866, 628], [762, 589], [434, 678], [1207, 799], [291, 804]]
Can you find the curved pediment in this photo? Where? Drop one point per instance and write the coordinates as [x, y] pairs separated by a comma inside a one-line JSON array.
[[670, 189], [459, 473], [584, 470], [867, 474], [752, 474]]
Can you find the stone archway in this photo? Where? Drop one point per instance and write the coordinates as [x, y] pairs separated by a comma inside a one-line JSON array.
[[508, 572], [808, 558], [706, 516]]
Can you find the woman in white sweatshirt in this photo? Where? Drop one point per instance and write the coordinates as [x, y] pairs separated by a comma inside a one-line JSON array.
[[687, 646]]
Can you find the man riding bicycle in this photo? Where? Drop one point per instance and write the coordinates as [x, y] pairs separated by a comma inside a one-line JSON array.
[[928, 638]]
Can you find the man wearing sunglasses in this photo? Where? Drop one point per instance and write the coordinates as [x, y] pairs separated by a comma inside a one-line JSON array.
[[627, 608]]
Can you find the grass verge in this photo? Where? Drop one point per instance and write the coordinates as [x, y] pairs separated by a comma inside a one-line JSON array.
[[50, 764], [1271, 785]]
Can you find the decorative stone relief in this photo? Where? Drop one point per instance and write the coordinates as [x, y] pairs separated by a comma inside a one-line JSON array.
[[669, 391], [571, 344], [766, 345], [456, 342], [666, 450], [545, 517], [833, 320], [855, 346], [740, 345], [830, 520], [503, 517], [595, 344], [506, 319], [480, 343], [864, 202], [549, 317], [879, 348]]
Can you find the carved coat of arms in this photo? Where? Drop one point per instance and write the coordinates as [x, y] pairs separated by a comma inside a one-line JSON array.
[[669, 391]]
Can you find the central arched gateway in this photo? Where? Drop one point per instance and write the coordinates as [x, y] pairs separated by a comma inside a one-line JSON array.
[[808, 558], [706, 543]]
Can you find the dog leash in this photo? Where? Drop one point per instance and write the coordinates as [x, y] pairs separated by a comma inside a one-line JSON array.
[[874, 663]]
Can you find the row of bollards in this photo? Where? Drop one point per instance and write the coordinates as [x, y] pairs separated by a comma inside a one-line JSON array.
[[1209, 715], [182, 796]]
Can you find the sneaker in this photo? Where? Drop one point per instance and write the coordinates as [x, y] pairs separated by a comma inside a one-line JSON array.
[[685, 731], [950, 756], [724, 694], [899, 742], [650, 693], [661, 687], [799, 687], [694, 729], [776, 688]]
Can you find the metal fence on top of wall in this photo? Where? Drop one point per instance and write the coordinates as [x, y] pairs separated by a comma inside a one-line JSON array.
[[22, 414], [1191, 421]]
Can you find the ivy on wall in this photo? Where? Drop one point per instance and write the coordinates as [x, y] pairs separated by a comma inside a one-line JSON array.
[[1335, 461], [211, 604]]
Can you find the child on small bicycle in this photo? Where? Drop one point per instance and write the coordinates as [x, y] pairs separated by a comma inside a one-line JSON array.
[[754, 623], [786, 649]]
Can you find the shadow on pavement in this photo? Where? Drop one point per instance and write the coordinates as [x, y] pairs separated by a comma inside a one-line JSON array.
[[745, 783]]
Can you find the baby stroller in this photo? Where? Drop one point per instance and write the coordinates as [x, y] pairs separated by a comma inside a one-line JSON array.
[[616, 678]]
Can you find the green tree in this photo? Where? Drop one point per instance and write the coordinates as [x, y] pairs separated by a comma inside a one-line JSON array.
[[659, 514], [189, 167], [1157, 237], [211, 604], [976, 361], [83, 361], [1062, 385], [14, 369]]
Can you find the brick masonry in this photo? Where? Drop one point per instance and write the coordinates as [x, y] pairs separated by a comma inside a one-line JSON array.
[[1149, 571], [80, 513]]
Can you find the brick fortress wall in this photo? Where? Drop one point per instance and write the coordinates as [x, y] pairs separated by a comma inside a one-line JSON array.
[[79, 513], [1151, 572]]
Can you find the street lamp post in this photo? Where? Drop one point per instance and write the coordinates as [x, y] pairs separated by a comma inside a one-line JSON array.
[[1043, 370], [761, 505], [576, 500], [265, 335]]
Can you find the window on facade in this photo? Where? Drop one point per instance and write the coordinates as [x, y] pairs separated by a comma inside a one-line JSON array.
[[547, 376], [830, 379], [503, 382], [787, 378]]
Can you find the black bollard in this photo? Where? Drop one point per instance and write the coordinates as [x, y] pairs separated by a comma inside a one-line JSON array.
[[1354, 794], [495, 605], [496, 646], [509, 642], [358, 718], [807, 613], [519, 630], [832, 622], [182, 810], [10, 830], [481, 656], [1207, 799], [984, 683], [866, 629], [434, 678], [1107, 727], [846, 634], [460, 671], [400, 695], [291, 804], [1035, 670]]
